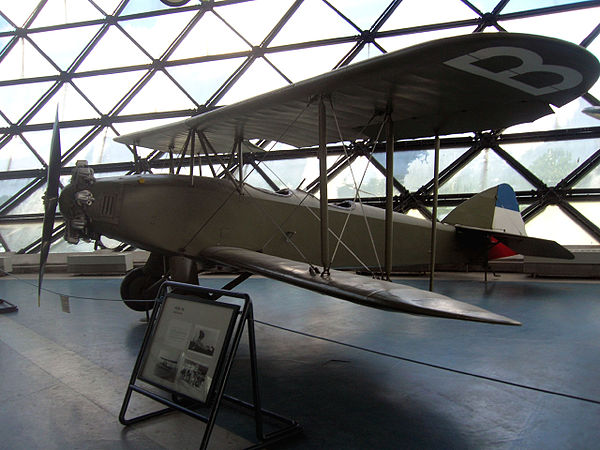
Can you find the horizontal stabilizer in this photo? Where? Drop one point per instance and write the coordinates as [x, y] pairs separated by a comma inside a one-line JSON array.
[[524, 245], [355, 288]]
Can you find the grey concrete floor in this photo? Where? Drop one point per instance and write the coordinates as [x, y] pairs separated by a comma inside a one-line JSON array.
[[63, 375]]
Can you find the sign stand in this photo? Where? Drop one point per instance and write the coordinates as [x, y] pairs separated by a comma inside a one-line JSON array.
[[188, 379]]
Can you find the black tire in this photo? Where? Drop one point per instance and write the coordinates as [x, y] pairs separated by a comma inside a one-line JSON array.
[[135, 287]]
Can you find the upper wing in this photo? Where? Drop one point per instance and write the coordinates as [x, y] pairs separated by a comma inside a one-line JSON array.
[[355, 288], [466, 83]]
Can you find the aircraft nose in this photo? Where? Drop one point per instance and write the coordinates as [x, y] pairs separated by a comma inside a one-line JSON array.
[[65, 201], [74, 201]]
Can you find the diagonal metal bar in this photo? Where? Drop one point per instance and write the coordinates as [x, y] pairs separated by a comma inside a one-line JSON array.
[[589, 226], [332, 172], [580, 172], [264, 176], [343, 16], [369, 35], [259, 51], [453, 168], [22, 195], [491, 19], [518, 167], [35, 246]]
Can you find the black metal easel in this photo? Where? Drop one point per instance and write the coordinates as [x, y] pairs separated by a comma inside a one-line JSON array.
[[290, 427]]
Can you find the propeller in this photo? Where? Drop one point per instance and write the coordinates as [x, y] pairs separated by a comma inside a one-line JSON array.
[[50, 200]]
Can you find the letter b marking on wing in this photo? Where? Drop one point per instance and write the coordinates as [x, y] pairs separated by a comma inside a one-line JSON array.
[[516, 77]]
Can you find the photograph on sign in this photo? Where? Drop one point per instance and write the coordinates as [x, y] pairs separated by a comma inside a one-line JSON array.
[[187, 347]]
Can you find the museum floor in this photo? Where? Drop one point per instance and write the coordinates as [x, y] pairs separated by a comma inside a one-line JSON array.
[[353, 377]]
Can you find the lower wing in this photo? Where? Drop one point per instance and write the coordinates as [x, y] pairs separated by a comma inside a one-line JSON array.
[[355, 288]]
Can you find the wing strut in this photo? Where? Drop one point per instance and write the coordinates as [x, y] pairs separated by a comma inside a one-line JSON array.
[[389, 196], [323, 206], [436, 170], [192, 154]]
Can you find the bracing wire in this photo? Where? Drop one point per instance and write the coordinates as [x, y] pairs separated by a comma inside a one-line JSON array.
[[356, 194]]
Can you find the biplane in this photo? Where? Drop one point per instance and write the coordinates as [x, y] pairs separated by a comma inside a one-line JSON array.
[[472, 83]]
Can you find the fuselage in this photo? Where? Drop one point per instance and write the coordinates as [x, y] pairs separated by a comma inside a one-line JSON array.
[[171, 215]]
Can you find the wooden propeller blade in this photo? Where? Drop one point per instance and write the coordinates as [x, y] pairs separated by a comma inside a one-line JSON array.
[[50, 201]]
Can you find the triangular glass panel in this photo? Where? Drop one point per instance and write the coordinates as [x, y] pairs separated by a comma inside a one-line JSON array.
[[109, 6], [290, 173], [41, 140], [202, 40], [17, 99], [71, 106], [103, 149], [411, 13], [405, 41], [19, 12], [255, 20], [555, 25], [306, 63], [159, 94], [114, 50], [21, 235], [105, 91], [202, 80], [57, 12], [516, 6], [363, 14], [258, 79], [442, 211], [591, 180], [32, 204], [485, 171], [415, 213], [63, 46], [168, 27], [361, 174], [414, 168], [567, 116], [8, 188], [3, 42], [5, 26], [552, 161], [313, 21], [147, 5], [486, 6], [591, 210], [368, 51], [555, 225], [16, 156], [251, 177], [24, 61]]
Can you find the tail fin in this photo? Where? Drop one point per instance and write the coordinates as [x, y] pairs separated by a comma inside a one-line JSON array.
[[492, 218], [493, 209]]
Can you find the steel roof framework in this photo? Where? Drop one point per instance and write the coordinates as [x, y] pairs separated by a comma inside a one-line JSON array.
[[561, 194]]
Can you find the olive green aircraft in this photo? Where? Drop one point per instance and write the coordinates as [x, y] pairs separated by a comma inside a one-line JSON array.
[[472, 83]]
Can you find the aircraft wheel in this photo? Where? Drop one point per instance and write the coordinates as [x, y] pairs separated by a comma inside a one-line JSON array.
[[135, 286]]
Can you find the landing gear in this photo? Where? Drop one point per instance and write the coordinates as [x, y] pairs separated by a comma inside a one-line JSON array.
[[143, 283], [138, 285]]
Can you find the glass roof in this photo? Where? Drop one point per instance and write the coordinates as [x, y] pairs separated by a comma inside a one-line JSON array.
[[116, 66]]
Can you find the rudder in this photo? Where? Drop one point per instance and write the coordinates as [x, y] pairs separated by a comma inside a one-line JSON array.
[[495, 209]]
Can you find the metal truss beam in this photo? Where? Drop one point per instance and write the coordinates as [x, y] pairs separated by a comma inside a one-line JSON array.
[[337, 168]]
